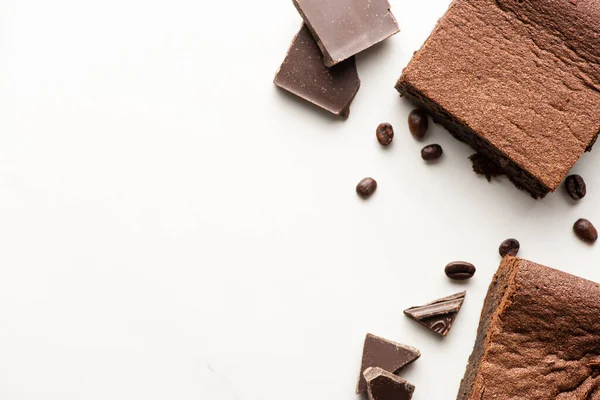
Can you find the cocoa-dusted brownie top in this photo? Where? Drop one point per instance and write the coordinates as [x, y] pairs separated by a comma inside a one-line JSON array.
[[523, 74], [539, 337]]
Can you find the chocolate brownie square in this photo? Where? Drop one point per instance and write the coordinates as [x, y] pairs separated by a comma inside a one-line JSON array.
[[518, 80], [538, 338]]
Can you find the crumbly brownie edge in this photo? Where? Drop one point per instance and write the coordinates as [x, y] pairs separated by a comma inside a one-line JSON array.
[[518, 176], [498, 297]]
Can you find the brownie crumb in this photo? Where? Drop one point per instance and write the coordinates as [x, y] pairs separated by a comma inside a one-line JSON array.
[[484, 166]]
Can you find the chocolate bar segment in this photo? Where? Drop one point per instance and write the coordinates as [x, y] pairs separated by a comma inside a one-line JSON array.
[[304, 74], [379, 352], [438, 315], [385, 386], [344, 28]]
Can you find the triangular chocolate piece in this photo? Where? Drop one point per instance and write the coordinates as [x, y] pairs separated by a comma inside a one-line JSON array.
[[382, 353], [381, 385], [438, 315]]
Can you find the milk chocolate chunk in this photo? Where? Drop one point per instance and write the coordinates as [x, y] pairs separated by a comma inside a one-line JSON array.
[[385, 386], [304, 74], [438, 315], [344, 28], [379, 352]]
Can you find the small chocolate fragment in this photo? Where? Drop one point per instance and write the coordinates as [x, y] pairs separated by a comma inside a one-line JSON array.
[[385, 134], [438, 315], [366, 187], [575, 186], [460, 270], [432, 152], [509, 247], [585, 230], [344, 28], [418, 123], [382, 385], [304, 74], [384, 354], [486, 167]]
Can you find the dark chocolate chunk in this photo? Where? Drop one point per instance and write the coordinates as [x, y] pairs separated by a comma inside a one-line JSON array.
[[344, 28], [304, 74], [460, 270], [483, 165], [385, 134], [366, 187], [418, 123], [432, 152], [585, 230], [575, 186], [382, 385], [438, 315], [509, 247], [379, 352]]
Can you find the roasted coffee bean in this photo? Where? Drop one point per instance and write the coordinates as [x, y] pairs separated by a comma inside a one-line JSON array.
[[585, 230], [575, 186], [432, 152], [509, 247], [366, 187], [418, 123], [460, 270], [385, 133]]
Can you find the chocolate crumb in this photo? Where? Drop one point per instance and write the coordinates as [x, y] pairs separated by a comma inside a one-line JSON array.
[[484, 166]]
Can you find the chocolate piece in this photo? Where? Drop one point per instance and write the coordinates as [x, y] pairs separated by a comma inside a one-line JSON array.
[[538, 337], [366, 187], [303, 74], [509, 247], [382, 385], [585, 230], [379, 352], [344, 28], [460, 270], [516, 81], [438, 315], [575, 186]]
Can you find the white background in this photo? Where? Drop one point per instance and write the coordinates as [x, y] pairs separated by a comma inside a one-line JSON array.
[[172, 226]]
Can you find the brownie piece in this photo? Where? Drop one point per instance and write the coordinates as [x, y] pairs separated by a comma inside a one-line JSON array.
[[518, 80], [538, 338]]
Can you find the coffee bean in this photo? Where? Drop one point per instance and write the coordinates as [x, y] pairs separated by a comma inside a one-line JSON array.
[[585, 230], [509, 247], [385, 134], [460, 270], [575, 186], [418, 123], [432, 152], [366, 187]]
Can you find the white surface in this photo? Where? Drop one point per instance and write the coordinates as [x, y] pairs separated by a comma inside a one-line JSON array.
[[174, 227]]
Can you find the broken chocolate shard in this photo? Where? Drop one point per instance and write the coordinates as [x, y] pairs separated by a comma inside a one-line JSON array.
[[379, 352], [438, 315], [304, 74], [344, 28], [381, 385]]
